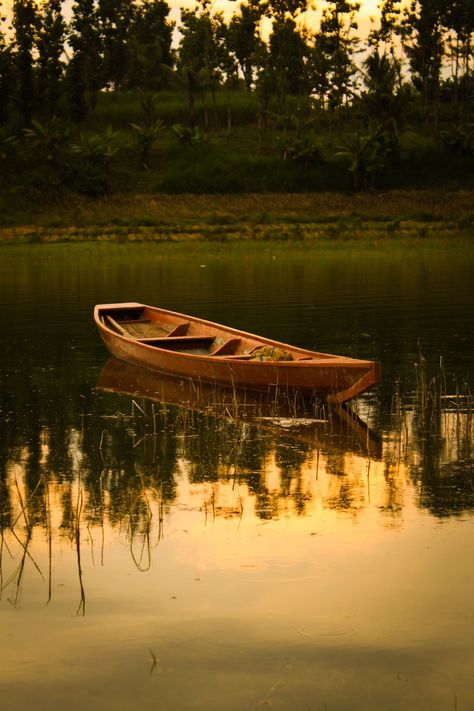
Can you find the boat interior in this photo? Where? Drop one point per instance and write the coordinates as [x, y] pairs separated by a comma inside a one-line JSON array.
[[153, 328]]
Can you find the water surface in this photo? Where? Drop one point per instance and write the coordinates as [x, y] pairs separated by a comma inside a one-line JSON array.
[[185, 553]]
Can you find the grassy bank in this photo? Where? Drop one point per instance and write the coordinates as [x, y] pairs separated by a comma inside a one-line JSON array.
[[400, 216]]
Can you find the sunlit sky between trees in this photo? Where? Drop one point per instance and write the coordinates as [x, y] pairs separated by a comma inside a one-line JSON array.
[[368, 10]]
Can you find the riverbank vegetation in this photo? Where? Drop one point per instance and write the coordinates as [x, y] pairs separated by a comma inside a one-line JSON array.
[[432, 218], [116, 98]]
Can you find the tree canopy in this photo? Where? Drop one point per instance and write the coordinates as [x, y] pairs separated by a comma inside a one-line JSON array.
[[50, 66]]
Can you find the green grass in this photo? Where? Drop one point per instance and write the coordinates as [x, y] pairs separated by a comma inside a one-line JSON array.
[[172, 107], [241, 179], [240, 161]]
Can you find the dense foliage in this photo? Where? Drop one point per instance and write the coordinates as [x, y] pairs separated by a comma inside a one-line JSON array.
[[303, 87]]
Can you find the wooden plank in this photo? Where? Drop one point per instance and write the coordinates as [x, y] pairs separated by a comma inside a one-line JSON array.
[[227, 347], [176, 340], [117, 326], [179, 330], [146, 330], [138, 329]]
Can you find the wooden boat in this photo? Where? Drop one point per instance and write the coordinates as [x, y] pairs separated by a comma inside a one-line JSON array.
[[191, 347]]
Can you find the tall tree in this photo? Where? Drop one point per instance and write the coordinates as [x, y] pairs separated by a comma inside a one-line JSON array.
[[284, 8], [83, 71], [283, 70], [320, 68], [390, 16], [114, 18], [25, 23], [227, 64], [50, 43], [264, 86], [226, 60], [335, 45], [199, 55], [422, 35], [150, 53], [243, 39], [458, 18], [288, 51], [384, 100], [6, 66]]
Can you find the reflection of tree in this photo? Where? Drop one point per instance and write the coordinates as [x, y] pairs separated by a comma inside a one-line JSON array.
[[442, 435], [266, 502], [128, 453], [345, 498], [206, 448], [335, 462], [67, 511], [392, 505], [5, 504], [444, 464], [254, 449], [290, 459]]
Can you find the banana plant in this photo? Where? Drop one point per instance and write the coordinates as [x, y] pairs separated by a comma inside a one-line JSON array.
[[301, 149], [459, 140], [185, 134], [367, 155], [147, 131], [298, 145], [89, 160], [145, 138], [10, 150], [48, 141], [96, 148]]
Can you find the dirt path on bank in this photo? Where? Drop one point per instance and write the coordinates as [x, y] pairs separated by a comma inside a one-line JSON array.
[[255, 216]]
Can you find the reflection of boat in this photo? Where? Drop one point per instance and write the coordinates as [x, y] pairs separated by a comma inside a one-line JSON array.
[[187, 346], [303, 418]]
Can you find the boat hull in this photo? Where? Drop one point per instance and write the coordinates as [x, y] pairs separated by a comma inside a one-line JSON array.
[[322, 374]]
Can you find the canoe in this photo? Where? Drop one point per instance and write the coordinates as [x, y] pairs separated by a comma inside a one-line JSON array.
[[190, 347], [301, 418]]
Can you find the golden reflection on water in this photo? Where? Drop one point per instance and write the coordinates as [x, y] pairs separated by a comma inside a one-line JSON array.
[[285, 560], [300, 488]]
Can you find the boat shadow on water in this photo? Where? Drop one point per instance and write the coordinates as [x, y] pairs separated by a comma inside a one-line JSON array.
[[297, 415]]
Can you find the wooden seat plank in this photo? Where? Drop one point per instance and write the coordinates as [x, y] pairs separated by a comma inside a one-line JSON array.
[[176, 340], [180, 330], [112, 322], [226, 348]]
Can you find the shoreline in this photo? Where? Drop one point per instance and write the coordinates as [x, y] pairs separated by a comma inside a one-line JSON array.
[[309, 218]]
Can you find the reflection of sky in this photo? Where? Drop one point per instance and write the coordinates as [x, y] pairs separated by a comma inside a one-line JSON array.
[[334, 605], [360, 599]]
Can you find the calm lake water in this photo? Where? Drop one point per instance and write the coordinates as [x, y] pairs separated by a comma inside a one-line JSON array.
[[191, 553]]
